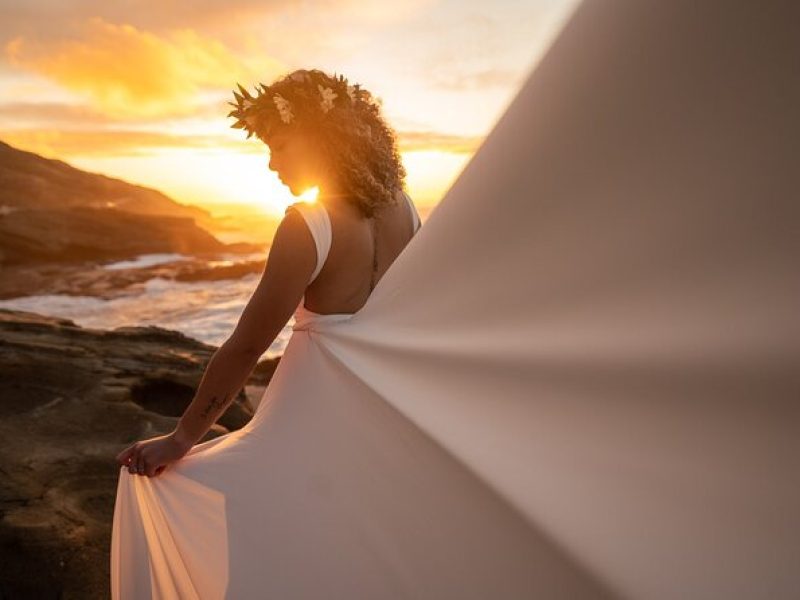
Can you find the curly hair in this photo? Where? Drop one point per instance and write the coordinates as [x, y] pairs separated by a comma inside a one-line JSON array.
[[356, 141]]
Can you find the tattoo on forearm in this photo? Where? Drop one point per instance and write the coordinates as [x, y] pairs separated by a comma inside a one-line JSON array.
[[215, 403]]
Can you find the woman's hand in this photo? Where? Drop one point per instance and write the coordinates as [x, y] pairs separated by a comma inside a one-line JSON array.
[[151, 457]]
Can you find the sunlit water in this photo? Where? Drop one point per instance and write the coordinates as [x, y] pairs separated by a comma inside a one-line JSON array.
[[205, 310], [145, 260]]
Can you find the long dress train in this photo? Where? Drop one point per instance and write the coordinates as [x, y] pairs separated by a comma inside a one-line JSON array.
[[579, 379]]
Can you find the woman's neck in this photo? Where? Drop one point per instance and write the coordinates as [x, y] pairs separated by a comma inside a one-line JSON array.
[[333, 197]]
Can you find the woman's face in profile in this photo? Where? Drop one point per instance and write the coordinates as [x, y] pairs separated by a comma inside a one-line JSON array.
[[295, 161]]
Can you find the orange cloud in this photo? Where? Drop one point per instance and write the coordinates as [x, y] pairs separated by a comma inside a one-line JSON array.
[[56, 142], [126, 72], [412, 141], [65, 143]]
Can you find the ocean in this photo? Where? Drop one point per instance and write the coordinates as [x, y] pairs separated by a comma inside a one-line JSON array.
[[205, 310]]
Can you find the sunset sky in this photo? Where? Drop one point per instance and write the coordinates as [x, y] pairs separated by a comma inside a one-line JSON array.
[[139, 90]]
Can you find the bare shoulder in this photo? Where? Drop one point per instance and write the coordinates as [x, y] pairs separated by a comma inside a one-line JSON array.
[[293, 225], [293, 245]]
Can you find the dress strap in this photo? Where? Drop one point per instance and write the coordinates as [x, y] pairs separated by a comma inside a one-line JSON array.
[[414, 213], [319, 224]]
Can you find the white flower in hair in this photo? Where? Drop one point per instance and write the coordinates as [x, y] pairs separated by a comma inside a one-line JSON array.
[[284, 108], [327, 98]]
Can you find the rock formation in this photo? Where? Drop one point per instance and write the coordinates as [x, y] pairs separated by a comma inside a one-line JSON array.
[[71, 398]]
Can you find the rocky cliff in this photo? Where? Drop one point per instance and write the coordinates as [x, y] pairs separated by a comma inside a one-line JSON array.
[[51, 212]]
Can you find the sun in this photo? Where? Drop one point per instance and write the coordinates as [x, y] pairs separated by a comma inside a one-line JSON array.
[[310, 195]]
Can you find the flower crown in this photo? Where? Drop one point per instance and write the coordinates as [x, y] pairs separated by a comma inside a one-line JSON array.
[[258, 114]]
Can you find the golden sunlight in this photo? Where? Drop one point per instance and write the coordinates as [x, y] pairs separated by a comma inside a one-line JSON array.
[[310, 195], [161, 122]]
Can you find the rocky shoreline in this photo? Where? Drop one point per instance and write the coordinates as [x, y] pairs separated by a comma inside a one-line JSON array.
[[91, 279], [70, 399]]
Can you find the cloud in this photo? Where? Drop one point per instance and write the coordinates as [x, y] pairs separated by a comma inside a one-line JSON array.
[[125, 72], [411, 141], [63, 143], [93, 142], [479, 80], [51, 113], [54, 18], [44, 114], [227, 21]]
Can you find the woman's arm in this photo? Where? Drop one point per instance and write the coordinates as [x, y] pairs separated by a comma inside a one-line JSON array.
[[225, 375], [291, 261]]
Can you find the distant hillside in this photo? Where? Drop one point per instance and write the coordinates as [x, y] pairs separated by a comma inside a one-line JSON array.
[[53, 212], [28, 180]]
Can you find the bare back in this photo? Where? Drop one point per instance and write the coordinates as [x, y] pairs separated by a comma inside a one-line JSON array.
[[343, 285]]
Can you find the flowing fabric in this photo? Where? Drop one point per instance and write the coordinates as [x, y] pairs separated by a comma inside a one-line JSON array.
[[579, 379]]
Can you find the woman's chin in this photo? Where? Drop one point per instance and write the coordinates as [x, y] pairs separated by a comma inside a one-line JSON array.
[[297, 190]]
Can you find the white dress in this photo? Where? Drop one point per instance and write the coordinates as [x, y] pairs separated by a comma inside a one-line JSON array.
[[325, 493], [580, 378]]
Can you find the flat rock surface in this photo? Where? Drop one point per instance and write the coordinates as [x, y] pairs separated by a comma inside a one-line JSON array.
[[71, 398]]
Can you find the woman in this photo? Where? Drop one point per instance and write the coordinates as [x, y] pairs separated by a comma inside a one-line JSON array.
[[321, 132], [186, 512]]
